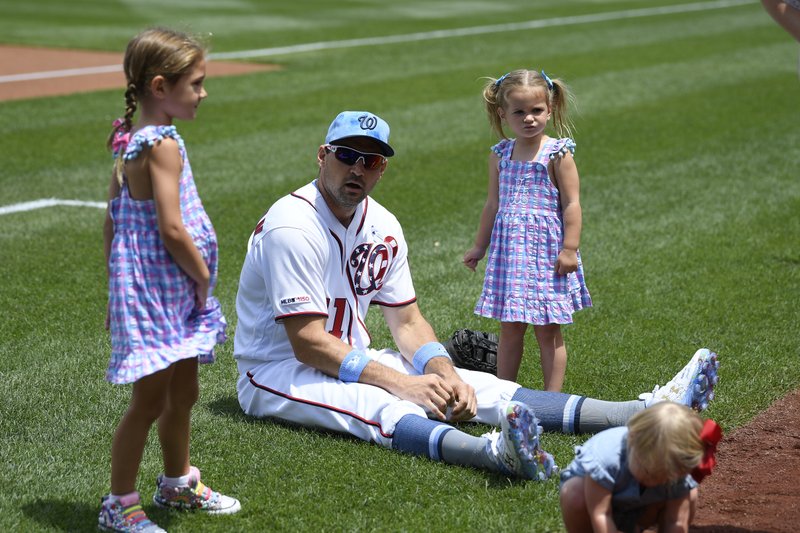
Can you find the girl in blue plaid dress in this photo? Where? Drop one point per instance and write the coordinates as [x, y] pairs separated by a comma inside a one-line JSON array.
[[531, 223], [161, 255]]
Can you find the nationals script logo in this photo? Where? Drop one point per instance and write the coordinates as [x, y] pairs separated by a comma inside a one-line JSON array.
[[368, 122], [370, 261]]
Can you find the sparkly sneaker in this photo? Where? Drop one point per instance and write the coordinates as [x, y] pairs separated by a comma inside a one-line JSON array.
[[125, 515], [194, 496], [693, 386], [516, 448]]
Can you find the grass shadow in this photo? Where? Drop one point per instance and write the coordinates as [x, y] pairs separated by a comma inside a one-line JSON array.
[[67, 515], [227, 407]]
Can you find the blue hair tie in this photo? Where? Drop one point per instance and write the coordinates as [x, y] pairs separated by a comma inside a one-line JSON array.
[[547, 80], [500, 79]]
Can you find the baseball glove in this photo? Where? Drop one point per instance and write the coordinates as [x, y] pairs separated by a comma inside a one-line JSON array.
[[473, 350]]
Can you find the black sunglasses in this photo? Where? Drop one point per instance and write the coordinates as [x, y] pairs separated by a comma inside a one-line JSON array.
[[350, 157]]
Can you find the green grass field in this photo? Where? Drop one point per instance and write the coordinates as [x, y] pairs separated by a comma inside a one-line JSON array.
[[687, 133]]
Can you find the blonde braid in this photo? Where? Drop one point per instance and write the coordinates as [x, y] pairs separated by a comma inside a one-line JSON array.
[[124, 125]]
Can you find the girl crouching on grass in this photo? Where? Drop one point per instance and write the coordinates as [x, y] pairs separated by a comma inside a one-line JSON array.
[[641, 475]]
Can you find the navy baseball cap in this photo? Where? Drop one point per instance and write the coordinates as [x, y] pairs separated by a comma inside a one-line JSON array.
[[360, 124]]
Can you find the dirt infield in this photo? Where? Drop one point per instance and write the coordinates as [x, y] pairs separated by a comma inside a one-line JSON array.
[[52, 72], [754, 487]]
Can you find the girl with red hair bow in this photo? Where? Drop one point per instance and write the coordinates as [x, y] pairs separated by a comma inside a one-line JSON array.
[[641, 475]]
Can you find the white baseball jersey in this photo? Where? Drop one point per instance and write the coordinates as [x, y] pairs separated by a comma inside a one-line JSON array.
[[302, 261]]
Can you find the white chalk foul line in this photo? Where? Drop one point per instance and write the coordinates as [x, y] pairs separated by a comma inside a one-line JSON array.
[[479, 30], [47, 202], [65, 73], [412, 37]]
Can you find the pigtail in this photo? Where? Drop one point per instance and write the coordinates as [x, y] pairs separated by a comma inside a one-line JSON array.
[[130, 106], [120, 134], [491, 102], [561, 100]]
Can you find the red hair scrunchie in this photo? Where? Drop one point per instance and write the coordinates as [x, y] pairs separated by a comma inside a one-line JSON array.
[[711, 434]]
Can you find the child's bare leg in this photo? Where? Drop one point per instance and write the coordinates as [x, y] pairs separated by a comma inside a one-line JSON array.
[[509, 349], [651, 517], [573, 506], [147, 403], [694, 495], [677, 515], [553, 354], [174, 424], [667, 515], [785, 15]]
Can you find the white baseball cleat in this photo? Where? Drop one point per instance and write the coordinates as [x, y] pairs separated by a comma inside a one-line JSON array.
[[516, 449], [693, 386]]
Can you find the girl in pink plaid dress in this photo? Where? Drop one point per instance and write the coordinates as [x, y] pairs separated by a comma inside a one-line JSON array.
[[531, 224], [161, 254]]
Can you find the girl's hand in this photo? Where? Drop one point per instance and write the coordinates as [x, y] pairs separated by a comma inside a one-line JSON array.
[[472, 256], [201, 294], [567, 261]]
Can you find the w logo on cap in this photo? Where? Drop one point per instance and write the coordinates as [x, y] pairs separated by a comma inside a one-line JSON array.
[[368, 122]]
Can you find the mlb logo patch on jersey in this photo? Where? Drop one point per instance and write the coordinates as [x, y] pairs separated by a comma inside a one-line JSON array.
[[296, 300]]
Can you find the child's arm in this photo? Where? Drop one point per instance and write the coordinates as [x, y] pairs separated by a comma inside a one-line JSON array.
[[568, 183], [482, 239], [677, 516], [598, 505], [108, 225], [165, 165], [108, 232]]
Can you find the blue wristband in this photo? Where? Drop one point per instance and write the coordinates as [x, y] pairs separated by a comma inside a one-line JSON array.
[[353, 365], [426, 352]]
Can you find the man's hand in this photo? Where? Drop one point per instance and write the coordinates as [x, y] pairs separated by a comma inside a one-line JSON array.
[[464, 402], [429, 391]]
